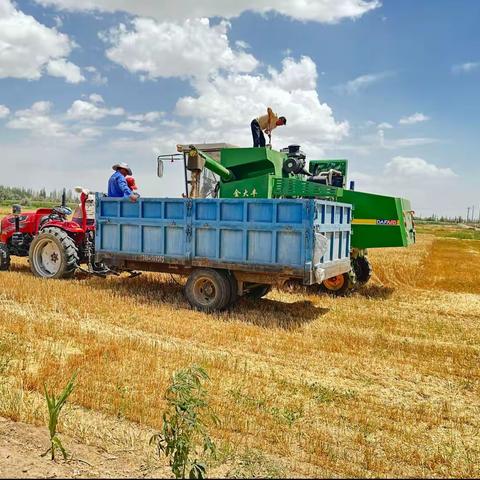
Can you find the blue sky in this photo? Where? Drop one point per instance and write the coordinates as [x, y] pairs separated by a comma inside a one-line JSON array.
[[390, 85]]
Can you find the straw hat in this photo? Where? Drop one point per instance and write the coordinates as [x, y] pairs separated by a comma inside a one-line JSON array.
[[122, 165]]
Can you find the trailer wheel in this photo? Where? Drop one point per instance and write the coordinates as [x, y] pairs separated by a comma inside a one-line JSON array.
[[208, 290], [233, 288], [363, 270], [53, 254], [4, 257], [337, 285], [258, 291]]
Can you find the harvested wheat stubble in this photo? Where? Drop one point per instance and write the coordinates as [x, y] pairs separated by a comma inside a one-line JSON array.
[[384, 382]]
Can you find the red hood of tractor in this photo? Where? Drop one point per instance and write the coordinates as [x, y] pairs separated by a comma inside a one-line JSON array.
[[29, 222]]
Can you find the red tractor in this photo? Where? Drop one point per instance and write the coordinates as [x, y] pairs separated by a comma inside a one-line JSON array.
[[55, 245]]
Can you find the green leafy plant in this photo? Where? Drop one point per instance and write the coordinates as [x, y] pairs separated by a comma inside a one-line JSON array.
[[184, 439], [55, 406]]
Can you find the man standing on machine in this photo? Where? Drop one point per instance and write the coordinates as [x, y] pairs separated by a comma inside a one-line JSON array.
[[265, 123]]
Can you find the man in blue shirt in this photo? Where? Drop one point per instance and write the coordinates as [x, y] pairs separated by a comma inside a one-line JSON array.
[[117, 185]]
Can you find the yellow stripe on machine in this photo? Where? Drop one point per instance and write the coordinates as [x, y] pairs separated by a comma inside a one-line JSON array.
[[374, 221]]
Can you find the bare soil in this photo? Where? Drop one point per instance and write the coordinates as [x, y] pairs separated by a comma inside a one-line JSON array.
[[21, 443]]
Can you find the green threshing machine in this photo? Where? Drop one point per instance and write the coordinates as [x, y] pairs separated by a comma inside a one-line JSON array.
[[378, 221]]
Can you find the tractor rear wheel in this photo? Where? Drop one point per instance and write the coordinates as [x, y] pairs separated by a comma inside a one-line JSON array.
[[53, 254], [4, 257], [337, 285], [362, 269], [208, 290]]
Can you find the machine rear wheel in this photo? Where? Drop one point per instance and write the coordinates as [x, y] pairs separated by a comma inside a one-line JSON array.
[[4, 257], [208, 290], [337, 285], [362, 269], [53, 254]]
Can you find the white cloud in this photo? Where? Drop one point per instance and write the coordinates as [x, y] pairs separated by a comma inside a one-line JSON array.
[[191, 48], [384, 126], [170, 124], [63, 68], [37, 120], [381, 137], [96, 98], [300, 75], [329, 11], [362, 82], [41, 107], [242, 44], [58, 21], [133, 127], [27, 47], [89, 132], [225, 105], [414, 118], [4, 111], [82, 110], [97, 78], [410, 142], [467, 67], [146, 117], [414, 167]]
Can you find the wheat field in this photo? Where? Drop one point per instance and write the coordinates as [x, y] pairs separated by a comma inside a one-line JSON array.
[[382, 383]]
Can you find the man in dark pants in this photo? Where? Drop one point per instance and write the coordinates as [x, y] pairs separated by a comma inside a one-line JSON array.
[[265, 123]]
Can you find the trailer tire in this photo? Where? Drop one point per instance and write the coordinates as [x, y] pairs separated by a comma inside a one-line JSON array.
[[233, 288], [208, 290], [257, 292], [4, 258], [363, 270], [53, 254], [338, 285]]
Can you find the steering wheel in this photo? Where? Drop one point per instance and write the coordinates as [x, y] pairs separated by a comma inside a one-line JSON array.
[[63, 211]]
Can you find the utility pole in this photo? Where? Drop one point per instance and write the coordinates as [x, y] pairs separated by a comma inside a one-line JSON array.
[[468, 213], [473, 213]]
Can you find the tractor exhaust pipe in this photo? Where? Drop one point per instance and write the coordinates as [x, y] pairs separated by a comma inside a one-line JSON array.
[[16, 211]]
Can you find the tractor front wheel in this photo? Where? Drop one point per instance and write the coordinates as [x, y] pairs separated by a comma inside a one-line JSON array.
[[53, 254], [337, 285], [4, 257]]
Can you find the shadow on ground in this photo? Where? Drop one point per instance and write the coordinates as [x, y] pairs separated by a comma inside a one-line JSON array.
[[274, 314], [264, 312], [144, 288], [20, 268], [379, 292], [158, 289]]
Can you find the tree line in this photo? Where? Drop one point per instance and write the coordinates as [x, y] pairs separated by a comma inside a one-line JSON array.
[[25, 196], [443, 219]]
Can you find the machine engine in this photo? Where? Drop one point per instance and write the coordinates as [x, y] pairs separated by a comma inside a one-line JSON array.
[[295, 161]]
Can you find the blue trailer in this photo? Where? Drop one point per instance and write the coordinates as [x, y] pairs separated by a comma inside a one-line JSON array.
[[226, 247]]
